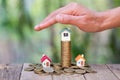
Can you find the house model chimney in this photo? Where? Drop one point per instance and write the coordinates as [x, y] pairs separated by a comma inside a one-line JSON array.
[[65, 47], [82, 55]]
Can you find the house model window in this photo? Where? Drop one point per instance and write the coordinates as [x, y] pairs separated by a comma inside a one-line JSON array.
[[65, 34]]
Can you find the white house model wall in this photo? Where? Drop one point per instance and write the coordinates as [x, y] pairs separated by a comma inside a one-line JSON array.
[[65, 36]]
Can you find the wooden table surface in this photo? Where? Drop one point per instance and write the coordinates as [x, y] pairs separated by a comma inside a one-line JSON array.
[[16, 72]]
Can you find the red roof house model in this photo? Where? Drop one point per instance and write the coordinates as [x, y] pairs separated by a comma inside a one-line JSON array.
[[44, 57]]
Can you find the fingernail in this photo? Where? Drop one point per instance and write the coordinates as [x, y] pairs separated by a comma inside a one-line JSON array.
[[36, 26]]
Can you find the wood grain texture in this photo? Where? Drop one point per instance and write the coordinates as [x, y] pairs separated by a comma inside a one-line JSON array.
[[103, 73], [10, 72], [25, 75], [68, 77], [16, 72], [115, 68], [2, 71]]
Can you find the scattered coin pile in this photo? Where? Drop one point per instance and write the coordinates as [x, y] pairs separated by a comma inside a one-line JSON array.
[[58, 69]]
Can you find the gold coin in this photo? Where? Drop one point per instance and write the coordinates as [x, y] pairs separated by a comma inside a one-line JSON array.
[[69, 70], [56, 67], [79, 71], [68, 73], [74, 67], [29, 69], [44, 74], [59, 71], [86, 65]]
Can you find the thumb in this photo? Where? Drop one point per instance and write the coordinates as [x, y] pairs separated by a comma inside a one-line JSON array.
[[66, 19]]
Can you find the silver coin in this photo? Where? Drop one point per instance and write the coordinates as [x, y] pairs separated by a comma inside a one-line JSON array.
[[48, 69]]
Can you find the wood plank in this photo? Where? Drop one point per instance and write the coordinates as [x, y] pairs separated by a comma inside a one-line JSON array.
[[2, 71], [115, 68], [25, 75], [68, 77], [14, 71], [10, 72], [103, 73]]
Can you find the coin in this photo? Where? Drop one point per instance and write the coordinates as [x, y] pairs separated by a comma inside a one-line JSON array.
[[40, 72], [29, 69], [74, 67], [86, 65], [44, 74], [59, 72], [37, 71], [56, 67], [39, 65], [80, 71], [38, 68], [31, 64], [73, 64], [68, 73], [48, 69], [69, 70]]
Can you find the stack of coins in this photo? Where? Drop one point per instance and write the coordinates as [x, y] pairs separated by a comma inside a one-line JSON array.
[[66, 53]]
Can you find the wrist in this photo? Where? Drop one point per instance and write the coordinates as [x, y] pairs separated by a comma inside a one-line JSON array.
[[101, 19], [109, 19]]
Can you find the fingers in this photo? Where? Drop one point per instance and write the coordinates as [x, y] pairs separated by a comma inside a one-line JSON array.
[[52, 14], [60, 18], [65, 9], [66, 19], [45, 25], [50, 20]]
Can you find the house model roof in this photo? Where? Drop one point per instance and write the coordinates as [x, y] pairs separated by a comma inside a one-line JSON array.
[[79, 57], [66, 29], [44, 57]]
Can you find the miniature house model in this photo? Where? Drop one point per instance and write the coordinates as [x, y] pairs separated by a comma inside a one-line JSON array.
[[65, 34], [45, 60], [80, 60]]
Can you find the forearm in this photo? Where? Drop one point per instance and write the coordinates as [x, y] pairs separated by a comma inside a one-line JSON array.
[[111, 19]]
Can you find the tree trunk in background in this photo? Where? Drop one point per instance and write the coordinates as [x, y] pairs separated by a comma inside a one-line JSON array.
[[5, 53], [55, 58], [98, 47], [55, 53]]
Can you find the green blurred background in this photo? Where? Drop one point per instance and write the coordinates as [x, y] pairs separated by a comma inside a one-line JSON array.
[[19, 43]]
